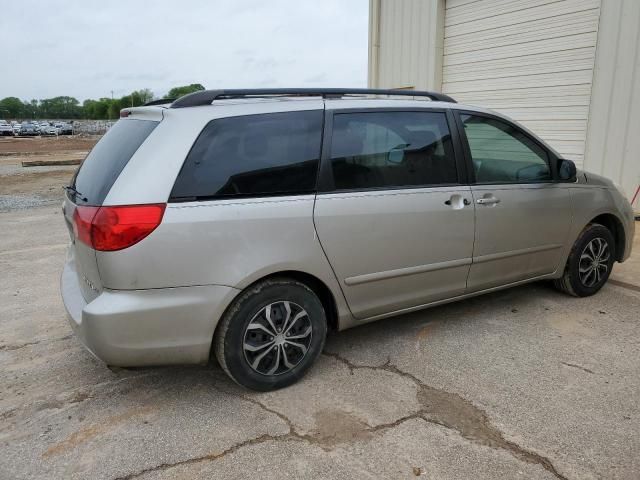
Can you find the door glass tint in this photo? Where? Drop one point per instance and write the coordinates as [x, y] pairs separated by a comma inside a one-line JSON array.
[[253, 155], [503, 154], [391, 149], [107, 159]]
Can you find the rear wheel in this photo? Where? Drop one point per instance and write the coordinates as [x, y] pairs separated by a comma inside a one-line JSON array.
[[271, 334], [590, 262]]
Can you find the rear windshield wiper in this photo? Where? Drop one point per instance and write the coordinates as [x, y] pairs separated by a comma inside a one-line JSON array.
[[76, 193]]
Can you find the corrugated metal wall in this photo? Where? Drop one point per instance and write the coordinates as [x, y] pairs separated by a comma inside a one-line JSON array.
[[530, 59], [613, 138], [410, 43], [533, 60]]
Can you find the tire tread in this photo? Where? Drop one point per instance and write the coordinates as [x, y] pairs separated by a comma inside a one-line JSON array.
[[229, 315], [563, 283]]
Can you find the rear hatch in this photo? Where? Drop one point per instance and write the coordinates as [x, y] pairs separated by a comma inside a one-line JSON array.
[[88, 190]]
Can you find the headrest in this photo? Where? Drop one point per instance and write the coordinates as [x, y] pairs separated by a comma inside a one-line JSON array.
[[422, 139]]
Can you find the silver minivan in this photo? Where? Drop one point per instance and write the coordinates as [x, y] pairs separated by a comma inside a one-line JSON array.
[[245, 224]]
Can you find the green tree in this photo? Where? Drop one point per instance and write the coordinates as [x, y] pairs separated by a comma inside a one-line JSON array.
[[64, 107], [32, 109], [136, 98], [114, 109], [101, 109], [11, 107], [60, 107], [89, 109], [127, 101], [177, 92], [145, 95]]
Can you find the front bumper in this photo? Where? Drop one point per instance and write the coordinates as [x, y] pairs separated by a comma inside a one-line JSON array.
[[130, 328]]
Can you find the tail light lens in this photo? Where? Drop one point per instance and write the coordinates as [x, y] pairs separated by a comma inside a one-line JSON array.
[[114, 228], [82, 218]]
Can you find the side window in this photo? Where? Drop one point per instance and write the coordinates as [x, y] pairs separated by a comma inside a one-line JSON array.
[[391, 149], [502, 154], [253, 155]]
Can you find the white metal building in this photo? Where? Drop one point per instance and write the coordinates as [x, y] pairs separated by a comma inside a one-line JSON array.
[[567, 69]]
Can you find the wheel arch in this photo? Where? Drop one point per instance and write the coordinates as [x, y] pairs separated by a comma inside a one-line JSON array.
[[318, 287], [615, 226]]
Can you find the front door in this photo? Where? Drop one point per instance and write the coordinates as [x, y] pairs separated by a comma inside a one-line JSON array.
[[396, 221], [522, 216]]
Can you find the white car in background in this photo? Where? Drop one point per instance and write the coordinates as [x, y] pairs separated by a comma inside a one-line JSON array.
[[48, 130], [5, 128]]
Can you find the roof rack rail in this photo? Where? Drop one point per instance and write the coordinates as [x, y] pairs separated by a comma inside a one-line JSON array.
[[206, 97], [160, 101]]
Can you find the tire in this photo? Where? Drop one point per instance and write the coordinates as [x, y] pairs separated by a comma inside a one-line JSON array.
[[245, 332], [575, 280]]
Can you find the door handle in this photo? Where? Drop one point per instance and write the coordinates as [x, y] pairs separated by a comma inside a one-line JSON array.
[[457, 202], [488, 201]]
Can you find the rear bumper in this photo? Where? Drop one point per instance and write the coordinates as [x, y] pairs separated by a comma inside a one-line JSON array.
[[128, 328]]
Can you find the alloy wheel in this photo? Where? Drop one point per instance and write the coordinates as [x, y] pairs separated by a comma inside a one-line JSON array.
[[277, 338], [594, 262]]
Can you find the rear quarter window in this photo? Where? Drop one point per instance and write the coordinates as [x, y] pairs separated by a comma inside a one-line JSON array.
[[253, 155], [107, 159]]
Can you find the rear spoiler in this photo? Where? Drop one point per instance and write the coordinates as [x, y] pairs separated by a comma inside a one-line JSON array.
[[143, 113]]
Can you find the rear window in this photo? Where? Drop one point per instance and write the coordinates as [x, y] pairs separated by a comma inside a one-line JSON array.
[[253, 155], [108, 158]]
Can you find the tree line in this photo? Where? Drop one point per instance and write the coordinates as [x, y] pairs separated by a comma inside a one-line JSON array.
[[70, 108]]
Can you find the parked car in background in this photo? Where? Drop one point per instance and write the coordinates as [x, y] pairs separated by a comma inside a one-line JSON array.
[[28, 129], [48, 130], [16, 128], [64, 128], [246, 230], [5, 128]]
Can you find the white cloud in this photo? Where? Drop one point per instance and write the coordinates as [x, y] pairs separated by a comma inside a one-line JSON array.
[[88, 48]]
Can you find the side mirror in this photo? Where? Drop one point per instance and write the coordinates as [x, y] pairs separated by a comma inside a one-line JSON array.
[[566, 170], [396, 154]]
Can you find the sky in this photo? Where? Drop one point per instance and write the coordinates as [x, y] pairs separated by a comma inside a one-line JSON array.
[[87, 48]]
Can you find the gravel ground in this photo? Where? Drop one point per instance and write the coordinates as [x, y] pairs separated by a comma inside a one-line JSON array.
[[22, 188], [30, 187], [523, 383]]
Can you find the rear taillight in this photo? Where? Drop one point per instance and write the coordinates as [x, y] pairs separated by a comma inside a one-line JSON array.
[[114, 228], [82, 218]]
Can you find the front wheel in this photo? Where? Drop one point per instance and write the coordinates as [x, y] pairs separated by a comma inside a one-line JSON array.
[[590, 262], [271, 334]]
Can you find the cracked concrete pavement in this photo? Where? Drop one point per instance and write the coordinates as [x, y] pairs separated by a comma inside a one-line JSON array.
[[523, 383]]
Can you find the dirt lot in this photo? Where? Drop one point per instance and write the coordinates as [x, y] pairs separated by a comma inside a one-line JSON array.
[[523, 383], [47, 145], [37, 186]]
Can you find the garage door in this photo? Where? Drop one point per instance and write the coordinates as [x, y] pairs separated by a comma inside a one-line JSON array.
[[530, 59]]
